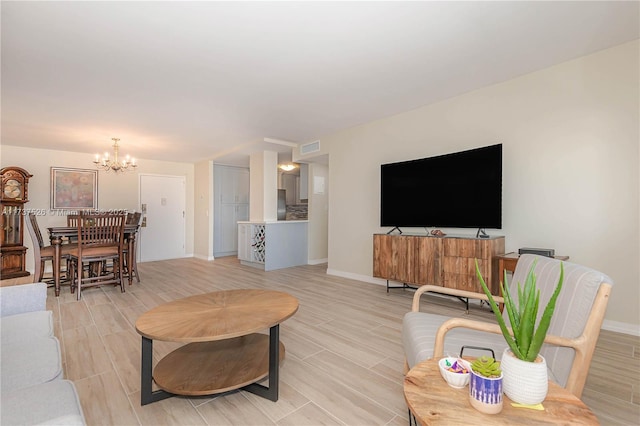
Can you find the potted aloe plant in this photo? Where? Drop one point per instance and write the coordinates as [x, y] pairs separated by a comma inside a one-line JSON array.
[[485, 385], [525, 370]]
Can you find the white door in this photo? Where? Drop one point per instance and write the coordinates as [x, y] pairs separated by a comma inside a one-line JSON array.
[[162, 201]]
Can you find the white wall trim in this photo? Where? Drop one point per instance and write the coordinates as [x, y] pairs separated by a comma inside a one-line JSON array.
[[317, 261], [616, 326]]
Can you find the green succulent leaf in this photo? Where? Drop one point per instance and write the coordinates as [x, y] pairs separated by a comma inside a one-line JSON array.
[[528, 319], [509, 305], [486, 366], [541, 332], [503, 327], [526, 341]]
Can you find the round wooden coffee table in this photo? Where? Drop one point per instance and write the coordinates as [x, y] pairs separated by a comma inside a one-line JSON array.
[[433, 402], [224, 350]]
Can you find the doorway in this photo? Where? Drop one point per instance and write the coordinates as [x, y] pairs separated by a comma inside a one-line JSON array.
[[163, 204]]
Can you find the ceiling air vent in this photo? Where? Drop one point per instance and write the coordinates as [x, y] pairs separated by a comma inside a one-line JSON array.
[[310, 147]]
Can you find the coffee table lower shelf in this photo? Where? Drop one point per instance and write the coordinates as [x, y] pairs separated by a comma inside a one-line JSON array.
[[209, 368]]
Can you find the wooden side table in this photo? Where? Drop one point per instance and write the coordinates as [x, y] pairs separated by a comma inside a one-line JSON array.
[[508, 262], [433, 402]]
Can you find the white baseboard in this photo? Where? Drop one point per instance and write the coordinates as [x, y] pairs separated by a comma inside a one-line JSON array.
[[357, 277], [156, 260], [619, 327], [317, 261], [201, 257]]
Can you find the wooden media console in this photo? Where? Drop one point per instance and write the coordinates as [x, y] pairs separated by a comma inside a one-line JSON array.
[[416, 260]]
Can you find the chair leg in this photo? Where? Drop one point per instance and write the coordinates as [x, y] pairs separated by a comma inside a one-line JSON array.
[[78, 274], [71, 275], [39, 271], [134, 267], [120, 273]]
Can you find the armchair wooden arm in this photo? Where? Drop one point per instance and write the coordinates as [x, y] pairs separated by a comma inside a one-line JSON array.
[[415, 306], [438, 348]]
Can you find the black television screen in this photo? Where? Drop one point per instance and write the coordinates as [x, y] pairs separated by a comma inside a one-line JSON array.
[[459, 190]]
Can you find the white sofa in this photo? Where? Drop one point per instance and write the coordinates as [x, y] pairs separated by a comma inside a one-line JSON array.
[[31, 385]]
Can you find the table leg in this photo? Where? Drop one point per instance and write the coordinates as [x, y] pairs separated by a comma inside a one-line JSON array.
[[271, 392], [412, 418], [55, 242], [147, 395]]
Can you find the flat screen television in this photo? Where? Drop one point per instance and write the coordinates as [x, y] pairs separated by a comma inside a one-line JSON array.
[[458, 190]]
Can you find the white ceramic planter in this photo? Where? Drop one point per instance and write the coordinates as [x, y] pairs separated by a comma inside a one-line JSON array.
[[524, 382]]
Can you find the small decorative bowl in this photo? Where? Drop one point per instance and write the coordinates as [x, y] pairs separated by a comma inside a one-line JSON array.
[[455, 380]]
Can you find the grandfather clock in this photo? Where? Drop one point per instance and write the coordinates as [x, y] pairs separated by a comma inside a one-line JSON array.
[[14, 195]]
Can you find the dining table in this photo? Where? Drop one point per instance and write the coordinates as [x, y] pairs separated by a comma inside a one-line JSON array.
[[58, 234]]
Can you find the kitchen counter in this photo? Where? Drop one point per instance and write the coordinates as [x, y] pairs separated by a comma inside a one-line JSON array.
[[273, 245]]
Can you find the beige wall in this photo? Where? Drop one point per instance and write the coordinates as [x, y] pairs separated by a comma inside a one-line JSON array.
[[571, 182], [114, 191], [570, 138], [203, 210], [318, 215], [263, 186]]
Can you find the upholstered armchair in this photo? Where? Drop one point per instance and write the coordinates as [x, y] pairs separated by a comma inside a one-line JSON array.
[[571, 337]]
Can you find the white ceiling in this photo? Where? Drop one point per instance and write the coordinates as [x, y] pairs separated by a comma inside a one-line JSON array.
[[186, 81]]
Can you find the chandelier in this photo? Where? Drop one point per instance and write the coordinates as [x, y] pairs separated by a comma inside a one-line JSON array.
[[107, 164]]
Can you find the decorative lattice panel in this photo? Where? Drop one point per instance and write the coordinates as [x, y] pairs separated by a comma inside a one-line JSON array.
[[259, 243]]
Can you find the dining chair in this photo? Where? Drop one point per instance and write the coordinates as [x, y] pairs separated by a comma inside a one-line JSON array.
[[72, 219], [132, 219], [100, 239], [42, 253]]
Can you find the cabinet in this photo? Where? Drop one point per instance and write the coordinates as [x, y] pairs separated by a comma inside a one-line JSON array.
[[231, 205], [290, 183], [304, 182], [447, 262]]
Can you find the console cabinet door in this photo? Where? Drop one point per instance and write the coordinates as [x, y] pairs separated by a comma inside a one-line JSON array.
[[383, 249], [407, 259], [459, 263], [427, 260]]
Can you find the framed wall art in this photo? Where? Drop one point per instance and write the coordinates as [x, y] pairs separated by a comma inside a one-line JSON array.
[[74, 189]]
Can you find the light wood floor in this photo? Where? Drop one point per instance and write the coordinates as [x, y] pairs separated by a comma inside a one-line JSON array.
[[344, 354]]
